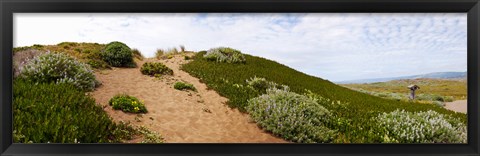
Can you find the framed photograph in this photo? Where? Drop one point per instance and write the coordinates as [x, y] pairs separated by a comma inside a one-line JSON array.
[[260, 77]]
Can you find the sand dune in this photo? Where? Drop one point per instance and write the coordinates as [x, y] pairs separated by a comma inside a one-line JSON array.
[[179, 116]]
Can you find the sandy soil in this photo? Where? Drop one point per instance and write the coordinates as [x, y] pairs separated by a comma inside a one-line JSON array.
[[457, 106], [179, 116]]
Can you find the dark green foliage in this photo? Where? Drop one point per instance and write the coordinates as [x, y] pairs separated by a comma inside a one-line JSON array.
[[118, 54], [59, 113], [127, 103], [155, 68], [184, 86], [354, 119]]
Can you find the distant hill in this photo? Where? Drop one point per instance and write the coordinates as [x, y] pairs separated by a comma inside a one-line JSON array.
[[436, 75]]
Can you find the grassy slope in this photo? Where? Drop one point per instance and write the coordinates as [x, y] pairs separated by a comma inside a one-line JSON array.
[[223, 78], [444, 87]]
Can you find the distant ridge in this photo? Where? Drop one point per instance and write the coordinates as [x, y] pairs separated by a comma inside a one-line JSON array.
[[435, 75]]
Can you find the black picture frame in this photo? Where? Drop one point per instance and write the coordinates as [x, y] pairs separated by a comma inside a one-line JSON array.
[[8, 7]]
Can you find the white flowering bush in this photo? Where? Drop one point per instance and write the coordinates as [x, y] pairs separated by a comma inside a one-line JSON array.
[[225, 54], [59, 68], [261, 84], [421, 127], [291, 116]]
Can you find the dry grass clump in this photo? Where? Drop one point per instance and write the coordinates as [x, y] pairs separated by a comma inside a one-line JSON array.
[[137, 54], [168, 53]]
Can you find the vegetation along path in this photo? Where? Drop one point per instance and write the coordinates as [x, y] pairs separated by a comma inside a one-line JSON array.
[[179, 116]]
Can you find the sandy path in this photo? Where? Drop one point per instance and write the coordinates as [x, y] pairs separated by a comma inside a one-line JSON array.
[[179, 116], [457, 106]]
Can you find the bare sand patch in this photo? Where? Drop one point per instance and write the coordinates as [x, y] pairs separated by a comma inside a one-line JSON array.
[[457, 106], [179, 116]]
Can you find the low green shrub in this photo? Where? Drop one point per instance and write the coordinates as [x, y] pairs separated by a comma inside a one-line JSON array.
[[421, 127], [118, 54], [59, 68], [184, 86], [127, 103], [291, 116], [155, 68], [225, 54], [261, 84], [59, 113], [149, 136]]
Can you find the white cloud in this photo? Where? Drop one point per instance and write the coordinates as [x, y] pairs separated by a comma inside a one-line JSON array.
[[332, 46]]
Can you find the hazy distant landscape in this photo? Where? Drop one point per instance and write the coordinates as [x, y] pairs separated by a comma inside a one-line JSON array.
[[437, 75]]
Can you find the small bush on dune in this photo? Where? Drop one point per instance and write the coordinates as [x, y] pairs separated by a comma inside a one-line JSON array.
[[149, 136], [421, 127], [118, 54], [225, 54], [261, 84], [59, 68], [291, 116], [155, 68], [59, 113], [127, 103], [184, 86]]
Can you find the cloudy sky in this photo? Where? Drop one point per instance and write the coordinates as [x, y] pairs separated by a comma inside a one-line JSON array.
[[334, 46]]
